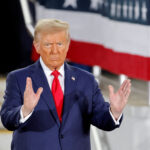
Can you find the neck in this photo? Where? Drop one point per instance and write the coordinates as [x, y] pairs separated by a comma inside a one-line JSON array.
[[53, 68]]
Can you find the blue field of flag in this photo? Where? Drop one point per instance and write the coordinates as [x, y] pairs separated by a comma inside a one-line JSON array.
[[134, 11]]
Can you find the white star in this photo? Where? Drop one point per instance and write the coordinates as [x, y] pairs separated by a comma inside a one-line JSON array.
[[144, 11], [72, 3], [95, 4], [137, 10]]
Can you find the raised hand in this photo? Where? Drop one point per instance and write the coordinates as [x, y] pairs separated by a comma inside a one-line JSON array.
[[119, 99], [30, 98]]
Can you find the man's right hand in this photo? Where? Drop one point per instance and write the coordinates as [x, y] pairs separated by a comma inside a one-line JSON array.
[[30, 98]]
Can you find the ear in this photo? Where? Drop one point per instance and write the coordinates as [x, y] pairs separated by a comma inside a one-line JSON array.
[[68, 44], [37, 46]]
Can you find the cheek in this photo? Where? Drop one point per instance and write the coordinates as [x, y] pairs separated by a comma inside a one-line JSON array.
[[45, 55], [45, 52], [63, 54]]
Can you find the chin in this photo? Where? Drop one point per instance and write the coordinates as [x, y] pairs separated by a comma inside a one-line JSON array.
[[55, 66]]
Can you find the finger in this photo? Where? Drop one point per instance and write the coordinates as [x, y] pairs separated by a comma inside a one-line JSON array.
[[111, 90], [122, 85], [29, 84], [127, 93], [125, 85], [39, 92], [127, 88]]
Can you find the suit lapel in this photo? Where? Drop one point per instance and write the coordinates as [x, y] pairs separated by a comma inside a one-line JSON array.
[[39, 79], [70, 84]]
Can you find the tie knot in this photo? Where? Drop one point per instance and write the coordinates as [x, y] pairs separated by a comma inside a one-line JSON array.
[[55, 73]]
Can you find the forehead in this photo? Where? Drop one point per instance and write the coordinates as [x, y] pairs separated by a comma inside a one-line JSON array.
[[59, 35]]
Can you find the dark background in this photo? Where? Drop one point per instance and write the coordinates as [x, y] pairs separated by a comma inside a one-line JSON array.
[[16, 42]]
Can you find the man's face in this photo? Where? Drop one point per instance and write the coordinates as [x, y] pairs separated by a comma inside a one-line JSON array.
[[53, 48]]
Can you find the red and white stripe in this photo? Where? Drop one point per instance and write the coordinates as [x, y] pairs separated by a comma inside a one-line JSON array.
[[119, 47]]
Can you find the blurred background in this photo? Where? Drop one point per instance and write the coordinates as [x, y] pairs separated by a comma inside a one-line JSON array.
[[109, 38]]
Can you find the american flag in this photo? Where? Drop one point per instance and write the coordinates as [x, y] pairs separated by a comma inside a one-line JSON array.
[[114, 34]]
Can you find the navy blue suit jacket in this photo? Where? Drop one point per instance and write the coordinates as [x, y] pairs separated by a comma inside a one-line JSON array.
[[83, 105]]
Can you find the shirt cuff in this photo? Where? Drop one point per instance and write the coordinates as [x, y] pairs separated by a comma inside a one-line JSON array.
[[24, 119], [115, 121]]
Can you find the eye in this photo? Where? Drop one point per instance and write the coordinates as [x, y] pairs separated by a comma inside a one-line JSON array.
[[60, 44], [47, 45]]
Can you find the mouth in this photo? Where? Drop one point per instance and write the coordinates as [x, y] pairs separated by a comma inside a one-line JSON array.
[[54, 58]]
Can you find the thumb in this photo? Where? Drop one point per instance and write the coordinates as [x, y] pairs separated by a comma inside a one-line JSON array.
[[39, 92], [111, 90]]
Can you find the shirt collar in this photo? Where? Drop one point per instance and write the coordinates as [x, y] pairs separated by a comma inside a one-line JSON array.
[[47, 71]]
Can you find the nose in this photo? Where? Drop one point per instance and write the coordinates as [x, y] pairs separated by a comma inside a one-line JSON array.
[[54, 49]]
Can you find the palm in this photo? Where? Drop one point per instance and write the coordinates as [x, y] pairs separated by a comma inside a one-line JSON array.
[[30, 97], [119, 99]]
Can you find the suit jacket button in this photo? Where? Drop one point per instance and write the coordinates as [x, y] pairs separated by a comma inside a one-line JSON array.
[[61, 136]]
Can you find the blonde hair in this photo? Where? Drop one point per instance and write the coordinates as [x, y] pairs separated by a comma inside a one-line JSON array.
[[50, 26]]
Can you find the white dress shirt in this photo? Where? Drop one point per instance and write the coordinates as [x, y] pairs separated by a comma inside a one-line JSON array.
[[50, 78]]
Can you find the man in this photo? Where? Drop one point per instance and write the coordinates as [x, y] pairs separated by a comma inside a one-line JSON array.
[[50, 105]]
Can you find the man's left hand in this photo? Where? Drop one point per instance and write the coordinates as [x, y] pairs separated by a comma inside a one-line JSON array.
[[119, 99]]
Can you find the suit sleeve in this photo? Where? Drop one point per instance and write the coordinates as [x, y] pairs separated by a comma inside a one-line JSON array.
[[10, 112], [101, 117]]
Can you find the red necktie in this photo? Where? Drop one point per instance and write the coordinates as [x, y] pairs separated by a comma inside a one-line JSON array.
[[57, 94]]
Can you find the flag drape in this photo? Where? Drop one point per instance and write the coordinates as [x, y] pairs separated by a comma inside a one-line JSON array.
[[112, 34]]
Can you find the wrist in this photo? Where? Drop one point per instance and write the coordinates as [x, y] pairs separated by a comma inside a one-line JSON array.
[[116, 114], [25, 111]]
